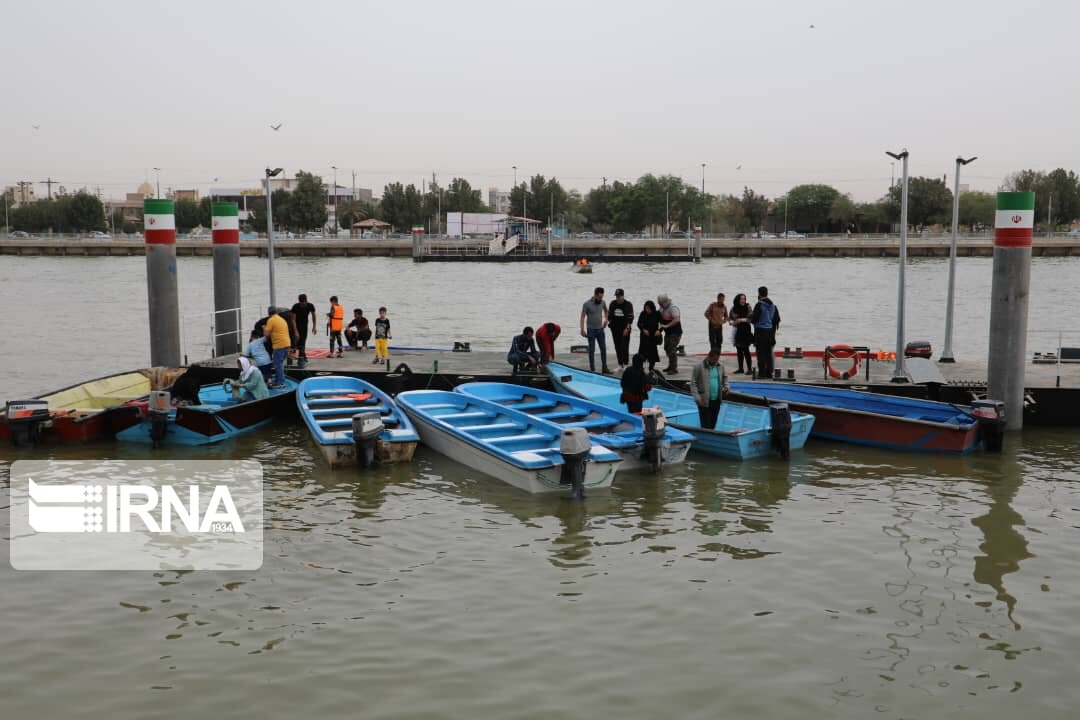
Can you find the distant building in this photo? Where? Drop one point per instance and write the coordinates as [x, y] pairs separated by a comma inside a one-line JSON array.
[[964, 187], [192, 195], [498, 201]]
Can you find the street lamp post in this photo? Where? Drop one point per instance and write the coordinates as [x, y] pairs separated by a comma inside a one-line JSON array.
[[157, 180], [946, 352], [270, 232], [704, 203], [898, 371], [334, 205]]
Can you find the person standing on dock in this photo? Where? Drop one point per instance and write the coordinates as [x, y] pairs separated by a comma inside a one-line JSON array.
[[382, 337], [278, 331], [708, 383], [594, 318], [716, 314], [303, 311], [766, 320], [335, 322], [545, 339], [620, 320], [671, 324], [648, 324], [739, 319], [523, 354]]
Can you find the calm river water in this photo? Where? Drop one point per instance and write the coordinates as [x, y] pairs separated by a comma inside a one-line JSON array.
[[848, 583]]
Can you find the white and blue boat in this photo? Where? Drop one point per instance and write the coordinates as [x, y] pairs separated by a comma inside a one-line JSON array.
[[217, 416], [328, 403], [613, 428], [741, 432], [506, 444]]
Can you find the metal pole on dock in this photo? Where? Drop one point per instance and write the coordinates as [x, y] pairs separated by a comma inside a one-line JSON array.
[[225, 228], [159, 222], [1014, 225], [899, 375], [270, 233], [947, 353]]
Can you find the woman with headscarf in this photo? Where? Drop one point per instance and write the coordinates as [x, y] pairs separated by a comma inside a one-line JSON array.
[[648, 324], [739, 318], [635, 384], [251, 385]]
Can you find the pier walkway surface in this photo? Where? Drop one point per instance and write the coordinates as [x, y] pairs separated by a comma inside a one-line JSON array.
[[1053, 389], [599, 249]]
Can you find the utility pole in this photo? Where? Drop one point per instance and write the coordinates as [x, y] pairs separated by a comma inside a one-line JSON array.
[[334, 168], [50, 182], [1050, 216], [157, 179], [354, 185], [667, 212], [898, 372], [947, 353]]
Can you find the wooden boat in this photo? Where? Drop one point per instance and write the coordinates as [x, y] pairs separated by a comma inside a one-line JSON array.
[[218, 416], [742, 431], [582, 266], [619, 431], [328, 402], [93, 410], [885, 421], [506, 444]]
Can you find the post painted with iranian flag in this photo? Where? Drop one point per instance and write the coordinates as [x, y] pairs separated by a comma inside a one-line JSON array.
[[159, 223], [1014, 224], [227, 321]]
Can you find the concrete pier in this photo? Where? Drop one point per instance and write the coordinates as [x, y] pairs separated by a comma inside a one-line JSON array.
[[162, 294], [226, 240]]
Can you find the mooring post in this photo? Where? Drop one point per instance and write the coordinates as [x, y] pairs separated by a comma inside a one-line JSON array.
[[1014, 224], [227, 322], [159, 224], [697, 243]]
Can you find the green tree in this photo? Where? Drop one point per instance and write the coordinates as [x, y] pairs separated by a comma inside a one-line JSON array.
[[808, 206], [871, 216], [754, 208], [842, 213], [307, 206], [402, 206], [353, 211], [977, 210], [205, 214], [460, 197], [929, 201], [83, 212], [1063, 189], [187, 215]]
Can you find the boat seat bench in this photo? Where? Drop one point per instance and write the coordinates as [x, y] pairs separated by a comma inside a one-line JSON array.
[[477, 414], [491, 426], [591, 424], [532, 405], [527, 437], [562, 414], [329, 412]]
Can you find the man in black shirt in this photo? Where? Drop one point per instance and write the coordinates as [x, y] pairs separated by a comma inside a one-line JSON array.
[[620, 319], [302, 311]]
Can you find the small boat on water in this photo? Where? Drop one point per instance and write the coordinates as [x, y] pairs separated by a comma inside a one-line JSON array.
[[582, 265], [329, 404], [218, 416], [865, 418], [506, 444], [614, 429], [742, 431], [93, 410]]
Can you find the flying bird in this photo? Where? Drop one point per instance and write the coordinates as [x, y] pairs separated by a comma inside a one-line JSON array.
[[37, 127], [811, 27], [277, 127], [738, 167]]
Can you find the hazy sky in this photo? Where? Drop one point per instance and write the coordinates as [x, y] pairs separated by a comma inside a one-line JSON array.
[[580, 90]]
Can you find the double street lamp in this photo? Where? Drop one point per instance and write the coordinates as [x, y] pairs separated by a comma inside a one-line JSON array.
[[270, 232], [898, 372], [946, 353]]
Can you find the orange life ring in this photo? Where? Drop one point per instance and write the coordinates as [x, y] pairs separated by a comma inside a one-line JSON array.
[[841, 352]]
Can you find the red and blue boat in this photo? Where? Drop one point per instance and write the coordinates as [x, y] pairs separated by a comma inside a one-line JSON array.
[[873, 419]]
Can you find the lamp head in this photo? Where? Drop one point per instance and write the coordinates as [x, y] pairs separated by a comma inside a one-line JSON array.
[[273, 173]]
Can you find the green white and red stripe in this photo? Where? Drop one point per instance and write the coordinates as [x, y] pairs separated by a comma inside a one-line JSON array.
[[225, 223], [1014, 221], [159, 222]]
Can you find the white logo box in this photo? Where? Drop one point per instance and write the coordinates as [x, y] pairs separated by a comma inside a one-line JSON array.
[[136, 515]]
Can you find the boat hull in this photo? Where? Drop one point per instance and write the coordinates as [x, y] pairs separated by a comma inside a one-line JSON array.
[[598, 475]]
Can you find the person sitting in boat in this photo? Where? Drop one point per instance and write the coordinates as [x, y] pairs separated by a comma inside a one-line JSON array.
[[635, 384], [250, 385], [708, 385], [523, 354], [185, 390], [545, 339]]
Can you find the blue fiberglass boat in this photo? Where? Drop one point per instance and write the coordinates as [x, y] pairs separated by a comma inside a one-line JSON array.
[[741, 432], [864, 418], [218, 416], [615, 429], [328, 402], [506, 444]]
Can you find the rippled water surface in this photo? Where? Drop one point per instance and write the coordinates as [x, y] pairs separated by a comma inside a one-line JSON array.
[[846, 583]]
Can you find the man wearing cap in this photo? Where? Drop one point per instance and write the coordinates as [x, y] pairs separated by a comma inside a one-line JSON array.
[[594, 318], [671, 324], [620, 320]]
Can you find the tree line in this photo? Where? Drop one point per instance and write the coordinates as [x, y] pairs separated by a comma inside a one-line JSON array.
[[657, 204]]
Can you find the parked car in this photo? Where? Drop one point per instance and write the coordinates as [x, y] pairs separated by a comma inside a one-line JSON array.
[[793, 234], [1073, 233], [586, 234], [765, 235], [679, 234], [98, 235], [313, 234], [19, 234]]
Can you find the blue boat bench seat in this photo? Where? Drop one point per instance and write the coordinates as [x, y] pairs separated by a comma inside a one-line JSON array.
[[468, 415], [527, 437], [490, 427], [531, 405], [557, 415]]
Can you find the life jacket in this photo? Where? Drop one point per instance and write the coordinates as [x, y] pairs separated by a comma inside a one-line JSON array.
[[337, 317]]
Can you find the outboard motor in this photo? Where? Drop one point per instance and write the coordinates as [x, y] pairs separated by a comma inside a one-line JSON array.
[[26, 418], [654, 421], [780, 418], [574, 445], [366, 428], [158, 411], [991, 417]]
